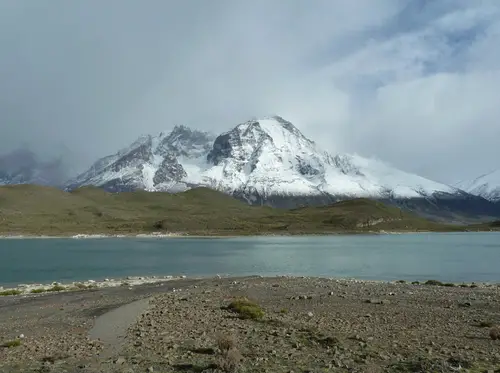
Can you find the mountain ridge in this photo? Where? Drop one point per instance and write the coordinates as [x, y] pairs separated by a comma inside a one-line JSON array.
[[486, 185], [269, 161]]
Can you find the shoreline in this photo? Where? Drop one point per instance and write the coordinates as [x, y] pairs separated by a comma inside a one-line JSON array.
[[130, 282], [83, 236], [37, 289]]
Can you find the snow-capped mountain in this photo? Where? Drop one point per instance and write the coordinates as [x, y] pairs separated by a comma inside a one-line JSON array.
[[486, 186], [152, 163], [22, 166], [257, 161]]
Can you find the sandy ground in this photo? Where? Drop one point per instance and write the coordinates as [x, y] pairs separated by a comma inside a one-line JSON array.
[[304, 325]]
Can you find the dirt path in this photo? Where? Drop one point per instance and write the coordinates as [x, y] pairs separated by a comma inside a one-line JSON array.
[[111, 328]]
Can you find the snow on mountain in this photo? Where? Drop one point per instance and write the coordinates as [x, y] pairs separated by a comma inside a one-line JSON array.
[[150, 163], [486, 186], [258, 158]]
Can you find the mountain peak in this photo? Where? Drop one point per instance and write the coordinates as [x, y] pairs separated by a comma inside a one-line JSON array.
[[486, 186], [256, 160]]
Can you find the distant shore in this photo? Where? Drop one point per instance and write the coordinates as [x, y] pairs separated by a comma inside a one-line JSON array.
[[233, 235]]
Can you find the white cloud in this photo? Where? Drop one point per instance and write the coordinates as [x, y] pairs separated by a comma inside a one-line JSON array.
[[413, 83]]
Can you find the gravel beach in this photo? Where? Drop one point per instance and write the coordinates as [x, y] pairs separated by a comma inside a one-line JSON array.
[[254, 324]]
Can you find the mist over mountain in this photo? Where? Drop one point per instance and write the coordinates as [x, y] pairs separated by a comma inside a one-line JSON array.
[[23, 166]]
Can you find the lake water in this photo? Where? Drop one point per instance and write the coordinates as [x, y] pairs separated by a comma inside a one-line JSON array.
[[452, 257]]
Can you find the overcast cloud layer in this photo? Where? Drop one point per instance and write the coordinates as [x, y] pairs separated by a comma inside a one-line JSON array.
[[412, 82]]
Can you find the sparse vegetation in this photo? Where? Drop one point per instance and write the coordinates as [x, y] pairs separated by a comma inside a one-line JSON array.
[[38, 291], [29, 209], [56, 288], [434, 283], [81, 286], [449, 284], [10, 292], [226, 342], [284, 311], [246, 309], [229, 358], [11, 344]]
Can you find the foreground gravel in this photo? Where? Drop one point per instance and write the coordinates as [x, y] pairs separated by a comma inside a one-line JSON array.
[[308, 325]]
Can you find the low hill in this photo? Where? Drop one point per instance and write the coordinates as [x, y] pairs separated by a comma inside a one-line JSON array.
[[36, 210]]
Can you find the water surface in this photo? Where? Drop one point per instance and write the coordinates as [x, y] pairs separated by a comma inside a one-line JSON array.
[[452, 257]]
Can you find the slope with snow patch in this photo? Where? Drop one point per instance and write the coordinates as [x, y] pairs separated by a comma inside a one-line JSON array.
[[486, 186]]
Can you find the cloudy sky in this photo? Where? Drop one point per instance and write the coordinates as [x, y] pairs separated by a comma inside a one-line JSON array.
[[412, 82]]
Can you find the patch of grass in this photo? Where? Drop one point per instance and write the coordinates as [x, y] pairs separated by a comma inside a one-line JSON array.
[[449, 284], [464, 285], [283, 311], [38, 291], [11, 344], [433, 283], [246, 309], [56, 288], [415, 283], [10, 292]]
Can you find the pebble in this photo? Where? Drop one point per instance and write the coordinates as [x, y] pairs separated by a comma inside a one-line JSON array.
[[120, 361]]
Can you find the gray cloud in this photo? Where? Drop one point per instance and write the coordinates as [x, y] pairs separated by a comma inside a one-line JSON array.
[[412, 83]]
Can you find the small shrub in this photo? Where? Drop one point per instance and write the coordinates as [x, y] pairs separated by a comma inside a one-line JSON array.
[[13, 343], [38, 291], [226, 342], [449, 284], [10, 292], [434, 283], [415, 283], [229, 358], [464, 285], [283, 311], [56, 288], [401, 281], [81, 286], [246, 309], [230, 361], [495, 333]]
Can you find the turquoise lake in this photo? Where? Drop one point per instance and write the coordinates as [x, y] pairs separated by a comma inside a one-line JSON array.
[[455, 257]]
